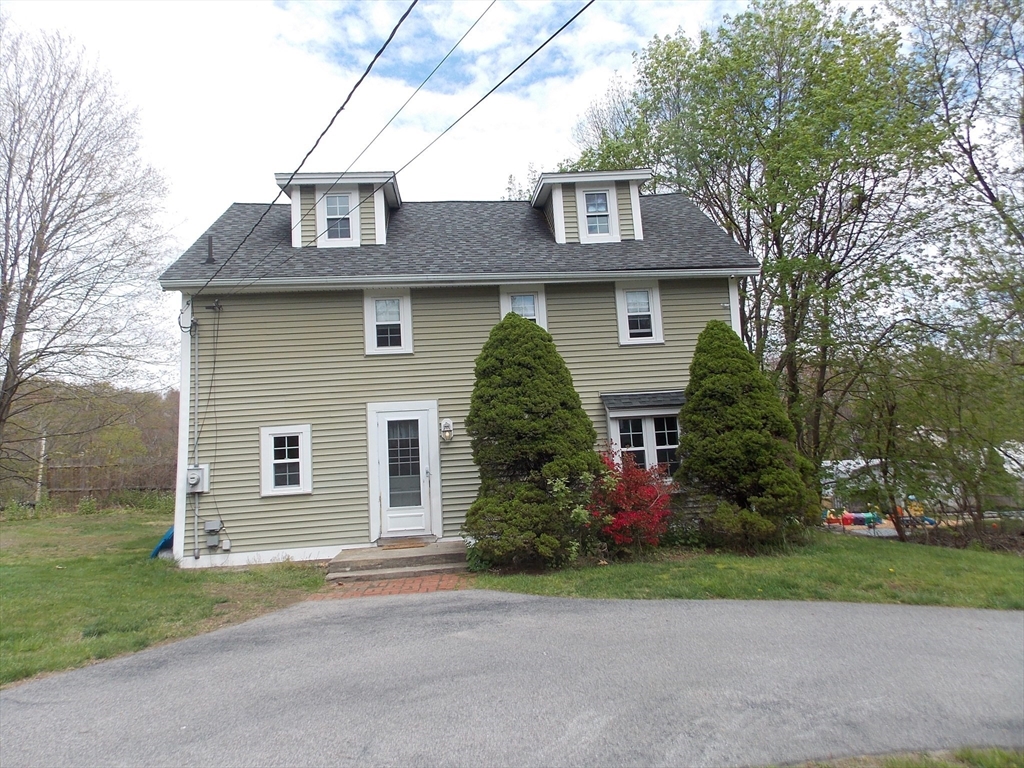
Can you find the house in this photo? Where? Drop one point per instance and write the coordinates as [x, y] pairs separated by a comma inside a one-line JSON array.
[[328, 347]]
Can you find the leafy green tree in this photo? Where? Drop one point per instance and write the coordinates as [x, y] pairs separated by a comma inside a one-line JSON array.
[[528, 428], [736, 446], [936, 422], [800, 130]]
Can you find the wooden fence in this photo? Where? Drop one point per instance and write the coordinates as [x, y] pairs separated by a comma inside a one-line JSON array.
[[67, 483]]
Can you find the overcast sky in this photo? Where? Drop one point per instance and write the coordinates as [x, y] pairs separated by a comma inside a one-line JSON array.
[[230, 93]]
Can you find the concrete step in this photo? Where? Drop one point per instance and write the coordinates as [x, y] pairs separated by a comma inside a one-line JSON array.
[[378, 559], [406, 572]]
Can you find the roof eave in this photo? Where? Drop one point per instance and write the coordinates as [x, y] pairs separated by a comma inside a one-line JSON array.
[[546, 180], [426, 281]]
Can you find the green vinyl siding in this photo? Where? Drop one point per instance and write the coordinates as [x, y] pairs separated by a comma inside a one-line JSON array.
[[307, 205], [549, 214], [572, 225], [625, 206], [367, 229], [299, 359], [582, 321], [284, 359]]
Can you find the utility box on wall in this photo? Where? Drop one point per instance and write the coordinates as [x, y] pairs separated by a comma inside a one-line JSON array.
[[197, 477]]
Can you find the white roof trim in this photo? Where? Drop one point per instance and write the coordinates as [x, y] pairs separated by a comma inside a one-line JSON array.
[[423, 281], [387, 179], [546, 180]]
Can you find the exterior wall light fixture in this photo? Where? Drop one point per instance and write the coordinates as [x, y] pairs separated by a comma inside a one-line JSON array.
[[447, 430]]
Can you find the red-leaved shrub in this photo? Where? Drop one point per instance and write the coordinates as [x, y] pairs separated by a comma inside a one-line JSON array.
[[633, 503]]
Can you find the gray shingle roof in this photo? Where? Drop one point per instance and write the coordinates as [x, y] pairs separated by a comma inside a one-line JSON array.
[[671, 399], [468, 239]]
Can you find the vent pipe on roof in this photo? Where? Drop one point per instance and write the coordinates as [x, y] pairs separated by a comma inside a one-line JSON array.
[[209, 250]]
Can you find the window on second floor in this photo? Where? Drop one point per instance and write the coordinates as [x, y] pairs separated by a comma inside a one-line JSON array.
[[526, 301], [388, 322], [639, 313], [597, 214]]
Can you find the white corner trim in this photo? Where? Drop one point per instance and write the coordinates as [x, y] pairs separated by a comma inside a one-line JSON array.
[[184, 401], [734, 305], [634, 201], [558, 213], [505, 297], [380, 220], [353, 215], [613, 213], [296, 196], [651, 287], [265, 556]]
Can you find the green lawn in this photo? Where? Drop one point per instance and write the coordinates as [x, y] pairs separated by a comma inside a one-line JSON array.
[[81, 587], [834, 567], [961, 758]]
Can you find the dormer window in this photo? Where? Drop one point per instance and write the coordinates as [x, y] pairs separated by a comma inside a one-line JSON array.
[[339, 225], [597, 213]]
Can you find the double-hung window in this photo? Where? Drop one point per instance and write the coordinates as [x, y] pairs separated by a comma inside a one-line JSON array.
[[651, 440], [337, 216], [597, 213], [339, 225], [526, 301], [639, 313], [388, 322], [285, 460]]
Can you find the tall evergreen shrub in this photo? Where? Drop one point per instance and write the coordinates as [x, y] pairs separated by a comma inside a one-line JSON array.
[[737, 449], [528, 427]]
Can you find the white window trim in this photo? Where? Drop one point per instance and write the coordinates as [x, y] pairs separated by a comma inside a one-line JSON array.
[[613, 214], [507, 291], [267, 435], [620, 310], [648, 415], [321, 217], [370, 322]]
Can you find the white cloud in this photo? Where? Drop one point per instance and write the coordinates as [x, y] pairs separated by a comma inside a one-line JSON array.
[[230, 93]]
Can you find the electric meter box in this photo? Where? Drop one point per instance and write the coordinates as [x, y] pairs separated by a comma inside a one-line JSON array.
[[197, 478]]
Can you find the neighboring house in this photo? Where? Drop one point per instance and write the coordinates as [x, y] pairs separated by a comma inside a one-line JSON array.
[[330, 348]]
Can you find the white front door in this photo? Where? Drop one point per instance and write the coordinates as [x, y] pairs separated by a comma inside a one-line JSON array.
[[405, 469]]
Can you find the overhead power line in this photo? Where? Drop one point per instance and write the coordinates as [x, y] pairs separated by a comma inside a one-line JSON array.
[[501, 82], [363, 151], [315, 144]]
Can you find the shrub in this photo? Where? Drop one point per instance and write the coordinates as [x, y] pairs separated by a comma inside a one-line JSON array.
[[527, 427], [736, 447], [632, 504]]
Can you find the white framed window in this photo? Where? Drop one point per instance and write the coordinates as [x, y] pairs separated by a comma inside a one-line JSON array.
[[598, 214], [339, 225], [527, 301], [286, 466], [651, 439], [387, 318], [337, 217], [638, 306]]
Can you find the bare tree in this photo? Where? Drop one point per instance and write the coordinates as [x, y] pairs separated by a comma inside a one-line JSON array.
[[78, 205]]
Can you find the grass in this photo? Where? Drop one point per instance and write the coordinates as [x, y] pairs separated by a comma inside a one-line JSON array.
[[76, 588], [961, 758], [832, 567]]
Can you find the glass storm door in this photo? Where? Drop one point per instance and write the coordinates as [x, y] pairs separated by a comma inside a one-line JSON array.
[[404, 471]]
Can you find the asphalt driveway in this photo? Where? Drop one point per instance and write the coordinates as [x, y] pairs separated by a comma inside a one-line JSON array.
[[474, 678]]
